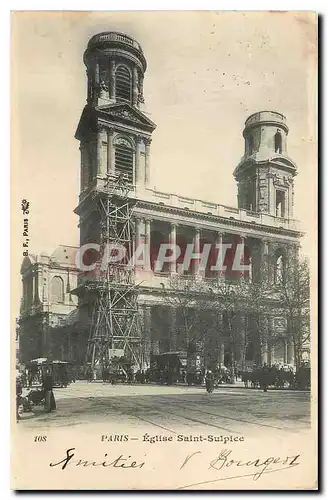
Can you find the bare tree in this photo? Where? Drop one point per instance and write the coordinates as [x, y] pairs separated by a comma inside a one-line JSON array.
[[229, 297], [293, 288], [188, 296]]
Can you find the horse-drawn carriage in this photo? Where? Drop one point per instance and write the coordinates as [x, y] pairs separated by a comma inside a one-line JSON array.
[[59, 370], [277, 377]]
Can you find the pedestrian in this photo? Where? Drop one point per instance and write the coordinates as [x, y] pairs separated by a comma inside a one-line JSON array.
[[209, 381], [47, 386], [265, 377]]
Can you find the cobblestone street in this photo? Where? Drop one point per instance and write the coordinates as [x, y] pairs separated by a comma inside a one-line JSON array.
[[162, 408]]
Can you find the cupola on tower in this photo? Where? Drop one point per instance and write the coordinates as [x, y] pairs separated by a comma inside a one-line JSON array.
[[265, 174], [113, 131]]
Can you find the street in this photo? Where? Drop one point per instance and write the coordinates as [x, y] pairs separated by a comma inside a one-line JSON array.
[[167, 408]]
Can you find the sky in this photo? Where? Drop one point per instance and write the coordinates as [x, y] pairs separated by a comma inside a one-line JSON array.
[[207, 72]]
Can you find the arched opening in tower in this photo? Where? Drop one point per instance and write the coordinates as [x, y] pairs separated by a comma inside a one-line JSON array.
[[280, 203], [123, 83], [124, 161], [278, 142]]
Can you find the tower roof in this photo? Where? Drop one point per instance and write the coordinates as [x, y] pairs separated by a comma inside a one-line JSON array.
[[266, 118], [115, 39]]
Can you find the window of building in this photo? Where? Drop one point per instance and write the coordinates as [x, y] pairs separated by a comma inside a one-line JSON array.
[[123, 83], [280, 203], [278, 142], [57, 290], [124, 158]]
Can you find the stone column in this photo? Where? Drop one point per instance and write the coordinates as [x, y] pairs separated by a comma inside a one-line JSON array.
[[147, 231], [290, 353], [137, 232], [250, 272], [135, 86], [271, 197], [270, 341], [285, 352], [242, 258], [173, 241], [196, 262], [219, 242], [138, 160], [137, 236], [243, 338], [110, 152], [96, 83], [112, 86], [264, 258], [141, 97], [147, 142], [147, 238], [264, 346], [264, 353], [37, 285], [221, 354], [98, 151], [146, 335]]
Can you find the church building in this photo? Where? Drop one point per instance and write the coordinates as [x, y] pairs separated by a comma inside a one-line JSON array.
[[115, 137]]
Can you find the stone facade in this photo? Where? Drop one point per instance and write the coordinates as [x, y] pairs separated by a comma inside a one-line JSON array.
[[115, 136], [47, 306]]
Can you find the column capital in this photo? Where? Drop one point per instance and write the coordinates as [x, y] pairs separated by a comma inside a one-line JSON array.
[[147, 141], [139, 139], [99, 127], [110, 130]]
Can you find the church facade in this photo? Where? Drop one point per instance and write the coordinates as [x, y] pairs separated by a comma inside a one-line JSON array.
[[115, 136]]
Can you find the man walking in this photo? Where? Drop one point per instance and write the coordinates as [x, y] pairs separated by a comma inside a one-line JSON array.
[[47, 386]]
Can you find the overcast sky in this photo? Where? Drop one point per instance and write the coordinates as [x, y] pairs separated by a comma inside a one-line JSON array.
[[207, 72]]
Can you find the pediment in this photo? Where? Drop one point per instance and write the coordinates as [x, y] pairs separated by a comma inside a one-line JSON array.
[[127, 113]]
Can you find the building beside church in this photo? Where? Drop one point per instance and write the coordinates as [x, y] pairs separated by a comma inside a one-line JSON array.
[[48, 309], [115, 136]]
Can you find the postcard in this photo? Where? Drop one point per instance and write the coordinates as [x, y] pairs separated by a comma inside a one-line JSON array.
[[164, 250]]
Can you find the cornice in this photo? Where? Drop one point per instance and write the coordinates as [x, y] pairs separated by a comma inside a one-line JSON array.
[[207, 218]]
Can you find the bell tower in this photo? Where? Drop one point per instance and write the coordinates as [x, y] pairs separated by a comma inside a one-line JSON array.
[[114, 132], [265, 174], [115, 136]]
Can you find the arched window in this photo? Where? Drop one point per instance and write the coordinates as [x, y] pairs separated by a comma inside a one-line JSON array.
[[278, 142], [124, 158], [57, 290], [123, 83], [279, 269]]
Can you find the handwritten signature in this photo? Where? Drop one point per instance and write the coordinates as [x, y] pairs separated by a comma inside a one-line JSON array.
[[257, 466], [254, 468], [120, 462]]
